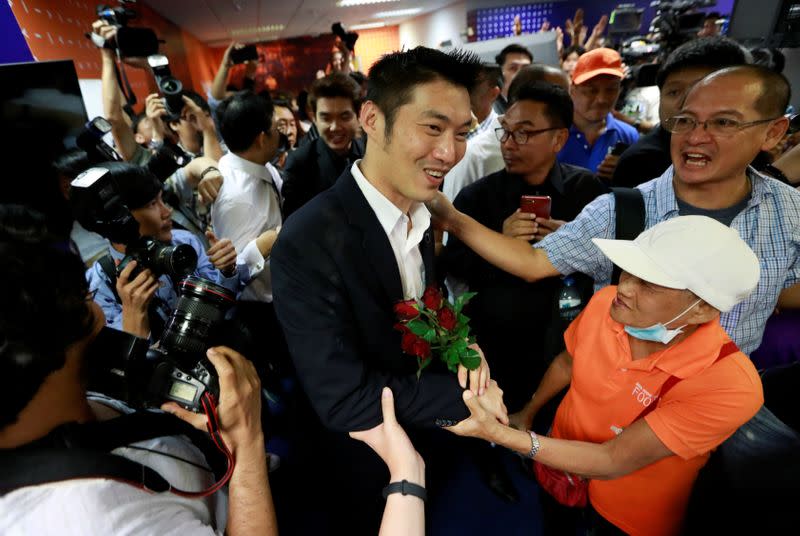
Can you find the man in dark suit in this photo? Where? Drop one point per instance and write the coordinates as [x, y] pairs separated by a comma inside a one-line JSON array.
[[315, 166], [348, 256]]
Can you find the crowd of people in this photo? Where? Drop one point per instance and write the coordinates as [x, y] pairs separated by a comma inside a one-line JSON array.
[[637, 339]]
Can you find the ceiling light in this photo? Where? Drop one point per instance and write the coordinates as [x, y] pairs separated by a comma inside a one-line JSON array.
[[348, 3], [367, 26], [397, 13], [258, 29]]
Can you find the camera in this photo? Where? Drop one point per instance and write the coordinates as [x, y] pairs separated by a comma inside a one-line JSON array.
[[169, 86], [131, 42], [349, 38], [167, 160], [246, 53], [176, 261], [122, 366], [94, 140]]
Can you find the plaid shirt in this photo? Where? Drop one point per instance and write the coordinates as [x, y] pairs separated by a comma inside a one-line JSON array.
[[770, 224]]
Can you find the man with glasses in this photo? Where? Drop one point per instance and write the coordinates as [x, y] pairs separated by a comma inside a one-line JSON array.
[[509, 313], [594, 91], [725, 120]]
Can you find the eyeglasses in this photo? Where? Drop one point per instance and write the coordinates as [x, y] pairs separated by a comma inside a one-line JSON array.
[[521, 137], [719, 126]]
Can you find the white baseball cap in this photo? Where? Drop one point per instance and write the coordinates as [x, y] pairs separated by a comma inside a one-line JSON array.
[[695, 253]]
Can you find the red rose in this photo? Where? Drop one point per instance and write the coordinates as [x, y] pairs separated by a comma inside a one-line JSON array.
[[402, 328], [406, 310], [447, 318], [432, 298], [415, 346]]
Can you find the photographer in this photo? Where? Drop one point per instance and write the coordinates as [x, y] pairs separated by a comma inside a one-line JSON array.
[[140, 304], [48, 402]]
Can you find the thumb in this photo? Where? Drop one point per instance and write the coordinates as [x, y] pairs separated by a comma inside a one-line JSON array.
[[212, 238], [471, 401], [387, 405]]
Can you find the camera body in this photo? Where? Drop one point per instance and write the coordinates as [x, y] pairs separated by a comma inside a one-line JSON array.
[[176, 261], [349, 38], [169, 86], [92, 139], [130, 41]]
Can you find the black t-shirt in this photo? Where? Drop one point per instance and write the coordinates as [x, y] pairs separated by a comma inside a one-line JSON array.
[[646, 159], [723, 215]]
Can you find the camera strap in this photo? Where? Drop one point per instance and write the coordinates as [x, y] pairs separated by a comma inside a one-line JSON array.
[[122, 80], [79, 451]]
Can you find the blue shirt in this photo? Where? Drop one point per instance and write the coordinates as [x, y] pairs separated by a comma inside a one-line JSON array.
[[578, 152], [770, 224], [165, 297]]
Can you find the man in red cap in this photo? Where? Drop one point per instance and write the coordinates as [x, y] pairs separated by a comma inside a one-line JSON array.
[[594, 91]]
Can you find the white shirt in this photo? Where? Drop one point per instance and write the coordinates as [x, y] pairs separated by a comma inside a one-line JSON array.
[[482, 157], [247, 205], [96, 506], [405, 243]]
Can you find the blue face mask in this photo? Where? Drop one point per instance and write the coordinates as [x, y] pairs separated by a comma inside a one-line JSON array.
[[659, 332]]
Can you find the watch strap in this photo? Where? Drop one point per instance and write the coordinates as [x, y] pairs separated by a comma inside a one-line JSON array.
[[405, 487], [534, 445]]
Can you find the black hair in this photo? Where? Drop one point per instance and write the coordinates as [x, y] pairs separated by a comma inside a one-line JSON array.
[[706, 52], [771, 58], [579, 50], [136, 185], [242, 117], [72, 163], [776, 92], [392, 78], [514, 48], [302, 101], [231, 87], [536, 72], [198, 100], [558, 104], [359, 77], [42, 313], [334, 85], [136, 120], [490, 72]]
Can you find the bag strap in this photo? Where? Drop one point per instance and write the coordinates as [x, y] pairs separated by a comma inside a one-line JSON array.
[[629, 218], [726, 350], [110, 269]]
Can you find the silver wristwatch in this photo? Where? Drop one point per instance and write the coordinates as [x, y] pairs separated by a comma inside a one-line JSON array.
[[534, 445]]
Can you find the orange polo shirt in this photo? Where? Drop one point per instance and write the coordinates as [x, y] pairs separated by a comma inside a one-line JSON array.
[[609, 389]]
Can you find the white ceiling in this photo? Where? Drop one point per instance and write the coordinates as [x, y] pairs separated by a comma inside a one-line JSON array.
[[215, 21]]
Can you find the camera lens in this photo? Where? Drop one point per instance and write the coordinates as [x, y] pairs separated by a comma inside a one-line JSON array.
[[177, 261], [201, 306]]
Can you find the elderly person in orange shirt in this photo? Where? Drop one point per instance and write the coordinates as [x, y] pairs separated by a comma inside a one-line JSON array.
[[654, 383]]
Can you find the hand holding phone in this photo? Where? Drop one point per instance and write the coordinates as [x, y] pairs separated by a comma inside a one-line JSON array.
[[536, 204], [243, 54]]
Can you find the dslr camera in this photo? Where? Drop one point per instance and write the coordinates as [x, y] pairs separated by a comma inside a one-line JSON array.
[[130, 41], [169, 86]]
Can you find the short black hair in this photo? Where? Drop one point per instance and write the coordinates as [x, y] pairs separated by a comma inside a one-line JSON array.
[[771, 58], [709, 52], [72, 163], [334, 85], [136, 185], [359, 77], [776, 91], [536, 72], [392, 78], [513, 48], [490, 72], [558, 104], [42, 313], [242, 117], [579, 50], [136, 120], [198, 100]]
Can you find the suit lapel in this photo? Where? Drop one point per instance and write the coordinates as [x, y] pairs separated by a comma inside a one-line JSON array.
[[374, 243], [427, 250]]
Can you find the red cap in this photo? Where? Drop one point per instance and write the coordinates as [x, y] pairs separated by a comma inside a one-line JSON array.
[[596, 62]]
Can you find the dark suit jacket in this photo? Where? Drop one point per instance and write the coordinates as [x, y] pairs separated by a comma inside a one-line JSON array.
[[335, 281], [311, 169]]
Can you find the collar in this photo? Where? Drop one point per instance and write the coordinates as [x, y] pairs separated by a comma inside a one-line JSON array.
[[488, 121], [388, 214], [687, 358], [611, 125], [246, 166]]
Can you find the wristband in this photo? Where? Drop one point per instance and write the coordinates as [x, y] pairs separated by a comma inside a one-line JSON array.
[[208, 170], [406, 488]]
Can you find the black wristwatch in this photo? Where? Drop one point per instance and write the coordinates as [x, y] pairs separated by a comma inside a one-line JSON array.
[[406, 488]]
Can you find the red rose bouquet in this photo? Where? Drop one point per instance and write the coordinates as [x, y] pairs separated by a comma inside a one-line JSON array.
[[433, 327]]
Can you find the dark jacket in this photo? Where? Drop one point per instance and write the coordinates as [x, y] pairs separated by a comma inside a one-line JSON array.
[[646, 159]]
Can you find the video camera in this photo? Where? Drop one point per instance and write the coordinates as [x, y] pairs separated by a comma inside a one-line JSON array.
[[675, 22], [131, 42]]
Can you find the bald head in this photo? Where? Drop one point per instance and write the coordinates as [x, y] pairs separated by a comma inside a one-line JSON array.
[[537, 72], [770, 90]]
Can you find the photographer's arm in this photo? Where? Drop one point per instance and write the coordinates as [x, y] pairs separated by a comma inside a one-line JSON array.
[[250, 508], [221, 78], [112, 97]]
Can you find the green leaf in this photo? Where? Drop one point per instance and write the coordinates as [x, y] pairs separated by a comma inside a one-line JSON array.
[[462, 332], [429, 335], [418, 327], [470, 359], [460, 346]]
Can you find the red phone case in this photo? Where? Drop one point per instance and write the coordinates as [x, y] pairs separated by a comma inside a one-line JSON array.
[[536, 204]]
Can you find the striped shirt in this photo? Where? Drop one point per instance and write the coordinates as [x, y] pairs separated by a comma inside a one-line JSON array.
[[770, 224]]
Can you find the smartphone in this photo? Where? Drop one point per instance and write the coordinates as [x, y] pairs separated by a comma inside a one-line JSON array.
[[246, 53], [536, 204], [618, 148]]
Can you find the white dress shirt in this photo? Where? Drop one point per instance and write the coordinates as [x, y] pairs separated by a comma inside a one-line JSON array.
[[482, 157], [248, 205], [405, 243]]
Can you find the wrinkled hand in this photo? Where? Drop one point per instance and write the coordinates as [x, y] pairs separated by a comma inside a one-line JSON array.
[[483, 419], [521, 225], [239, 407], [443, 213], [222, 254], [201, 119], [391, 443], [606, 168], [478, 378], [545, 227], [136, 294], [209, 186]]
